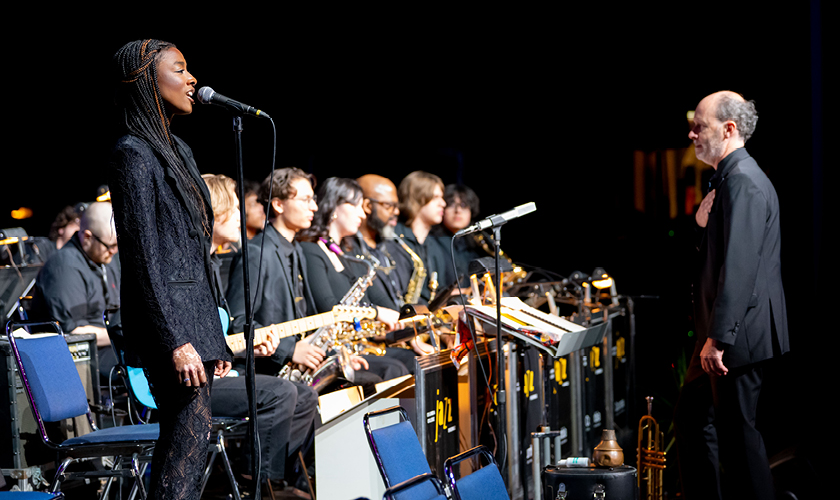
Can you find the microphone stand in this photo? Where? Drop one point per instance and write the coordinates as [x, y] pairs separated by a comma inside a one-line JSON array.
[[250, 384], [501, 404]]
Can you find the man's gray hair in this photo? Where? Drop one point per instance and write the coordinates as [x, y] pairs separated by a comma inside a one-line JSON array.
[[741, 112]]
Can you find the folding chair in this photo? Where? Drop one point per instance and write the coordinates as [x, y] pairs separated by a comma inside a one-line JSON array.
[[55, 393], [483, 484], [406, 486], [139, 391], [398, 454]]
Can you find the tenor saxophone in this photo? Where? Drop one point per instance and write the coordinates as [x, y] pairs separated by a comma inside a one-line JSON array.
[[326, 338], [418, 276]]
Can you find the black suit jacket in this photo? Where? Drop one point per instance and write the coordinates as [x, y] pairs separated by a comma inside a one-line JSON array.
[[273, 299], [167, 293], [740, 300]]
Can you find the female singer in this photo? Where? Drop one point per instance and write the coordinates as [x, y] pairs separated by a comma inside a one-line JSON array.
[[339, 216], [164, 227]]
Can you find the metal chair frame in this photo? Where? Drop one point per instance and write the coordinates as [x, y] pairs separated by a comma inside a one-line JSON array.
[[368, 432], [451, 462]]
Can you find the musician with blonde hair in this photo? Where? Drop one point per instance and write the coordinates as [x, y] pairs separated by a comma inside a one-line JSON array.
[[422, 206]]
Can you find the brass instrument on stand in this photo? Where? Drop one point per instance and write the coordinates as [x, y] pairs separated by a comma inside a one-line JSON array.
[[650, 459]]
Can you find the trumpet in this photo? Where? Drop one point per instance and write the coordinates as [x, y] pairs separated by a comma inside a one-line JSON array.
[[650, 459]]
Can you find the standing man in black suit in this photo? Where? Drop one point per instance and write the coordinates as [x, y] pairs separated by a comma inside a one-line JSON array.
[[739, 309]]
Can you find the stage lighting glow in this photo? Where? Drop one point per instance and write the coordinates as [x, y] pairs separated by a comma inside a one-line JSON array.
[[22, 213]]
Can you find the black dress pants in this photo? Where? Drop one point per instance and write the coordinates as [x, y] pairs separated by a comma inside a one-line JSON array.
[[715, 423], [285, 412]]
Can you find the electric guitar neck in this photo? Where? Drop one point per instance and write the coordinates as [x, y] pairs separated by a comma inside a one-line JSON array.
[[339, 313]]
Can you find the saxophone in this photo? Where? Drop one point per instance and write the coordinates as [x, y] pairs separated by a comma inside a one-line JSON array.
[[354, 337], [326, 338], [415, 284], [516, 276]]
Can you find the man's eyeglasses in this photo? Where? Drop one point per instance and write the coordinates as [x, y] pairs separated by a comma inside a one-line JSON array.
[[387, 205], [111, 248], [307, 201]]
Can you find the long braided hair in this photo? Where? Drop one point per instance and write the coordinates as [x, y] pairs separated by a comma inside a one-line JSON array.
[[141, 109]]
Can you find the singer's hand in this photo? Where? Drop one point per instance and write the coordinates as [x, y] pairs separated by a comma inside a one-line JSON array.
[[188, 366]]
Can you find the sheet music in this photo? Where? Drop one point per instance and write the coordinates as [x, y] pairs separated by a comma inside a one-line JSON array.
[[557, 321]]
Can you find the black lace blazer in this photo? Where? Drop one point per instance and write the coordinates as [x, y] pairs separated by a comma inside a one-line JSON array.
[[167, 291]]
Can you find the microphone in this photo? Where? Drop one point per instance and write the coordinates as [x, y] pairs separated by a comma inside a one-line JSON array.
[[498, 220], [206, 95]]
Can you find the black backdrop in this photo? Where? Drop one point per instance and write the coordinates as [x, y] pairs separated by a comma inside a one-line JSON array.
[[526, 105]]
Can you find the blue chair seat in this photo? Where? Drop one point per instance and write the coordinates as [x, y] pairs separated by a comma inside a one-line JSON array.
[[147, 432]]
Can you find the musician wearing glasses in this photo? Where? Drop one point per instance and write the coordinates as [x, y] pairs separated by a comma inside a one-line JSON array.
[[82, 280], [461, 209], [279, 284], [374, 241]]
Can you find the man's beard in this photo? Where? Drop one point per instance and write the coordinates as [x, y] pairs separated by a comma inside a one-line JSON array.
[[711, 151], [376, 224], [387, 232]]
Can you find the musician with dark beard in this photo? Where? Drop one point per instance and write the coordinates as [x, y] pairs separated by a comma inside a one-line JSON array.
[[374, 241]]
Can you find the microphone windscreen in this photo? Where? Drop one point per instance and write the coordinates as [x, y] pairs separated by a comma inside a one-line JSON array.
[[205, 95]]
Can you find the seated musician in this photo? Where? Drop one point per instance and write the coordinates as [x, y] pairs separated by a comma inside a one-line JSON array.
[[254, 210], [285, 410], [339, 217], [374, 241], [82, 280], [279, 286], [422, 206], [461, 208]]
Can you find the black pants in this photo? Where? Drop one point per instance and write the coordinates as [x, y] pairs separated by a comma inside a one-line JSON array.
[[404, 356], [715, 421], [381, 368], [181, 451], [285, 411]]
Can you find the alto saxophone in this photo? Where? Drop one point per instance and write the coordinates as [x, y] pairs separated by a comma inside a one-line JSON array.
[[326, 338], [418, 276], [354, 337]]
